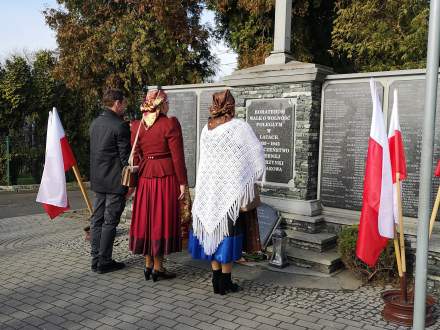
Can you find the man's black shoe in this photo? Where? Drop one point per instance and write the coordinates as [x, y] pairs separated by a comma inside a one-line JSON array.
[[94, 268], [110, 267]]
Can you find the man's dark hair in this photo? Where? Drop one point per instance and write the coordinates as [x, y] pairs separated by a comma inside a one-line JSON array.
[[111, 96]]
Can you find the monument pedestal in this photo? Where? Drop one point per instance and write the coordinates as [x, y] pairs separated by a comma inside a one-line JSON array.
[[282, 103]]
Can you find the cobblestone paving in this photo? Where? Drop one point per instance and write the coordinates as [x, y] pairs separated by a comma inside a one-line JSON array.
[[46, 283]]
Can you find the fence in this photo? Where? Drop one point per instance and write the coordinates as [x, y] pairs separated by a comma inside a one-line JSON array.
[[21, 160]]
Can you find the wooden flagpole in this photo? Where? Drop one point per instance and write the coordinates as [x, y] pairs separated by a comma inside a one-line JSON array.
[[434, 212], [403, 283], [398, 258], [81, 186]]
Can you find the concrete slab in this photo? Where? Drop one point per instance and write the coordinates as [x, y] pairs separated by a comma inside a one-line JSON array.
[[291, 276]]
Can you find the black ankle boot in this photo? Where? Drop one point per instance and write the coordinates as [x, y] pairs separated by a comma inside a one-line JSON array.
[[227, 284], [222, 284], [216, 275]]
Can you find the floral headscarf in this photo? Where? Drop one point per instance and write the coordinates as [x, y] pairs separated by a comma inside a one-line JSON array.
[[151, 105]]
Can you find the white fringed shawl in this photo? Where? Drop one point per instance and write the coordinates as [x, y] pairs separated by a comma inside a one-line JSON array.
[[231, 160]]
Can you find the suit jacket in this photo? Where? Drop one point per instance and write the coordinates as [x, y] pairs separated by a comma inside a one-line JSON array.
[[109, 152], [163, 139]]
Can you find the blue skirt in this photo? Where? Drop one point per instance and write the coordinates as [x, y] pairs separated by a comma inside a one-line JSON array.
[[229, 250]]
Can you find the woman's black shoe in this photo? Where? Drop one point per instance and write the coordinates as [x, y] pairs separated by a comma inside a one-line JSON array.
[[216, 274], [226, 285], [164, 274], [233, 287], [147, 273]]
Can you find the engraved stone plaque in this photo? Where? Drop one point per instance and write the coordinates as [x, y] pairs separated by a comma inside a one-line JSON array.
[[411, 97], [183, 106], [347, 115], [273, 122], [268, 220]]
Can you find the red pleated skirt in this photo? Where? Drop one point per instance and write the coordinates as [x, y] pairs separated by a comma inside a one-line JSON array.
[[155, 222]]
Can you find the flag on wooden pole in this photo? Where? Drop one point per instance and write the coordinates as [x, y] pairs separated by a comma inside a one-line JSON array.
[[436, 203], [59, 159], [397, 153], [376, 222], [437, 169]]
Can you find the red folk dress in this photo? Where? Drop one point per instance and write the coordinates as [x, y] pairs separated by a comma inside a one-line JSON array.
[[155, 223]]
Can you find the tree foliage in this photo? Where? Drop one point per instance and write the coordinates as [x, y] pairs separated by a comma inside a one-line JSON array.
[[248, 28], [28, 91], [15, 93], [377, 35], [129, 44], [348, 35]]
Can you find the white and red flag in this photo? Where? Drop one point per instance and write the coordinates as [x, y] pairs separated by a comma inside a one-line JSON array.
[[437, 169], [376, 222], [59, 159], [397, 152]]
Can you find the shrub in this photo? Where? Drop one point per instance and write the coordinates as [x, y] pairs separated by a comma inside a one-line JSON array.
[[385, 269]]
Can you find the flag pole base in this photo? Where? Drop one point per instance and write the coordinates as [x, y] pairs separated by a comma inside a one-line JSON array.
[[397, 310]]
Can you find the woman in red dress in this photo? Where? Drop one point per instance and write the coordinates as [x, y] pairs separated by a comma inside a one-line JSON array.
[[155, 224]]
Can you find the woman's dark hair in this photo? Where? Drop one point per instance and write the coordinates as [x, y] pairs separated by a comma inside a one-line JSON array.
[[111, 96]]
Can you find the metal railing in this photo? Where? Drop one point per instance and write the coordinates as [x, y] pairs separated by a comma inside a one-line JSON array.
[[21, 160]]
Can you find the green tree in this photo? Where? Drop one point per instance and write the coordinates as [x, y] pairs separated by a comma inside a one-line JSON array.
[[15, 93], [3, 125], [248, 27], [348, 35], [375, 35], [130, 44], [74, 109], [44, 89]]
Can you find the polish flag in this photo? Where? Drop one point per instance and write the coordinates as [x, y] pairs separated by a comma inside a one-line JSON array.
[[397, 152], [437, 169], [376, 222], [59, 159]]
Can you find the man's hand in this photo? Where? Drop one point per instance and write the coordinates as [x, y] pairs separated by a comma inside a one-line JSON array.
[[182, 191]]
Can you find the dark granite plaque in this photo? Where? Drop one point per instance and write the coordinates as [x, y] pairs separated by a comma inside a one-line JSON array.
[[272, 121], [183, 105], [346, 128], [205, 103], [268, 220], [411, 96]]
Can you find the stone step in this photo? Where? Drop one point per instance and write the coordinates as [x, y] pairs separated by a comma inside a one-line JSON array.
[[303, 223], [334, 223], [316, 242], [325, 262]]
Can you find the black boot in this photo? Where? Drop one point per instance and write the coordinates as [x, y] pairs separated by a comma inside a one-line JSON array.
[[164, 274], [222, 284], [227, 285], [216, 275]]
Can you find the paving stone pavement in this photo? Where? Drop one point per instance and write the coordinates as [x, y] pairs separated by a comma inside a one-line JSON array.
[[46, 283]]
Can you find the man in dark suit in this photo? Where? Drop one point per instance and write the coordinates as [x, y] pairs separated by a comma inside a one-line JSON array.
[[109, 152]]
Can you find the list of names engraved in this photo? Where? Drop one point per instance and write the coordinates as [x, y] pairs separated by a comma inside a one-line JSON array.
[[272, 121], [346, 128], [411, 95]]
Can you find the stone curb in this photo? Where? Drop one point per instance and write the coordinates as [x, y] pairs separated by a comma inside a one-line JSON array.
[[35, 187]]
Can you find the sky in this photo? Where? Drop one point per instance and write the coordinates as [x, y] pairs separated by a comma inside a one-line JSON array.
[[23, 31]]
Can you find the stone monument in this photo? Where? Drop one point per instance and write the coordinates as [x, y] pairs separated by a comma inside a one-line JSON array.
[[282, 101]]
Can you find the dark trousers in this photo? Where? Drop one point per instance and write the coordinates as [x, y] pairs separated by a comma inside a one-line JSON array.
[[106, 215]]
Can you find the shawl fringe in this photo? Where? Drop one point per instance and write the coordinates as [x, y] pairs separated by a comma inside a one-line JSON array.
[[213, 240]]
